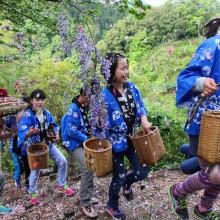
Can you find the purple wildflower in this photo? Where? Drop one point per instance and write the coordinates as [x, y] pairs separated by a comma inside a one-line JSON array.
[[63, 28]]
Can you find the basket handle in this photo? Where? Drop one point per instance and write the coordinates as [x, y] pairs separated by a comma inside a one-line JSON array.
[[195, 110]]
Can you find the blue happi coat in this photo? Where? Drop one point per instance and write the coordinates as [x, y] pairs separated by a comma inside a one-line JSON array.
[[117, 127], [26, 122], [73, 128], [205, 63]]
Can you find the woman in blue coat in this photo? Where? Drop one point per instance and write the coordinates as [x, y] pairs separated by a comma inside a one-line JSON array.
[[126, 111]]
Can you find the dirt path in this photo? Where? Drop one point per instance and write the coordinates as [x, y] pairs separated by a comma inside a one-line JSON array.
[[150, 199]]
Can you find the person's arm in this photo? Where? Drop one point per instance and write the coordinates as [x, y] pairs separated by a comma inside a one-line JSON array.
[[26, 128], [189, 79], [143, 113], [205, 85], [73, 127]]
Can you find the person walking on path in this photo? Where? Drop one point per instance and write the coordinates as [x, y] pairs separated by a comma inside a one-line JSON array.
[[126, 111], [195, 81], [76, 129]]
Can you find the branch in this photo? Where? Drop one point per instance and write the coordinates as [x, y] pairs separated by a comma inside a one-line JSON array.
[[37, 12], [25, 15]]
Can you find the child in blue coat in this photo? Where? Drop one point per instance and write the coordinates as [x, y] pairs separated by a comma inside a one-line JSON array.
[[75, 130], [32, 129], [126, 111]]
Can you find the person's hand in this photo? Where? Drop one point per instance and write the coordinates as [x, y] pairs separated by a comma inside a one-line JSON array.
[[209, 87], [32, 131], [55, 140], [145, 124]]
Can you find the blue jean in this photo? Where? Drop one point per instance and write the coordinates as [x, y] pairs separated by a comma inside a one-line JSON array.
[[191, 164], [120, 178], [60, 160], [16, 174]]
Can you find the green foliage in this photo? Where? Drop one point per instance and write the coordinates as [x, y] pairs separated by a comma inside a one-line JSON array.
[[158, 48], [56, 79], [7, 162]]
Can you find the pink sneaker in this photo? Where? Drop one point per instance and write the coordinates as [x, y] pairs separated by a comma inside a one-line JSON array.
[[33, 198], [66, 190]]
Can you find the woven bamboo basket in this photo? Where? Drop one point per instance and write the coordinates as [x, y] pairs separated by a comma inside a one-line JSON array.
[[38, 156], [98, 156], [149, 147], [209, 138]]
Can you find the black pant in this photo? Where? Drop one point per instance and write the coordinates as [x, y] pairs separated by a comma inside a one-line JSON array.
[[26, 170]]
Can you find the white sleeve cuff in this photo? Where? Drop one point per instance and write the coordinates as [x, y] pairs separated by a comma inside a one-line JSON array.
[[198, 87]]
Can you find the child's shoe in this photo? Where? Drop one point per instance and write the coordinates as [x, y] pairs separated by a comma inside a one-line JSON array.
[[18, 183], [115, 213], [89, 211], [4, 210], [65, 189], [93, 200], [178, 205], [34, 199], [210, 215]]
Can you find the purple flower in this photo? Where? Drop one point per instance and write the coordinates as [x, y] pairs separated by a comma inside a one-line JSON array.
[[64, 36]]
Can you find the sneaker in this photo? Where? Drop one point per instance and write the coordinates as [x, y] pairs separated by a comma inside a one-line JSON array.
[[210, 215], [18, 183], [4, 210], [94, 200], [66, 190], [89, 211], [128, 193], [178, 205], [115, 213], [34, 199]]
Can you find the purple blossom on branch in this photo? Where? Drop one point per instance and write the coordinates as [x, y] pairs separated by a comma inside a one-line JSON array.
[[90, 60], [64, 36]]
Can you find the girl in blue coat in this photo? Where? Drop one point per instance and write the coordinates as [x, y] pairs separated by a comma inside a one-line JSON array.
[[126, 111], [31, 130]]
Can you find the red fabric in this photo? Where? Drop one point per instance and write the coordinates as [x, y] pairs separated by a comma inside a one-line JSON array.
[[3, 92]]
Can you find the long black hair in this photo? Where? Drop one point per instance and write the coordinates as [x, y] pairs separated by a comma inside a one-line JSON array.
[[212, 27], [113, 58]]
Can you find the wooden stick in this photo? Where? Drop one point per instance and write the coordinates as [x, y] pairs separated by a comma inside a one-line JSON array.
[[195, 110]]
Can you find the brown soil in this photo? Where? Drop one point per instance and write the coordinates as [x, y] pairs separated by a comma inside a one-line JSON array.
[[150, 199]]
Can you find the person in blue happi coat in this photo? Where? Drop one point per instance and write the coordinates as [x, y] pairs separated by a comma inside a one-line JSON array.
[[199, 79], [126, 111], [32, 129], [75, 130]]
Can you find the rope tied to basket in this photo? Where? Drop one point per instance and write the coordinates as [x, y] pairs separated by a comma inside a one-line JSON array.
[[195, 110]]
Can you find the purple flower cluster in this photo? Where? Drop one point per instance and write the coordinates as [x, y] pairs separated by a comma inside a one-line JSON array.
[[19, 40], [64, 36], [89, 59], [99, 116], [85, 50]]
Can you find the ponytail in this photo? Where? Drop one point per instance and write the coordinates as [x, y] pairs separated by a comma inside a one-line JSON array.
[[212, 27]]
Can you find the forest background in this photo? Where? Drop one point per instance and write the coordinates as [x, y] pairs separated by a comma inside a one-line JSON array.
[[158, 41]]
